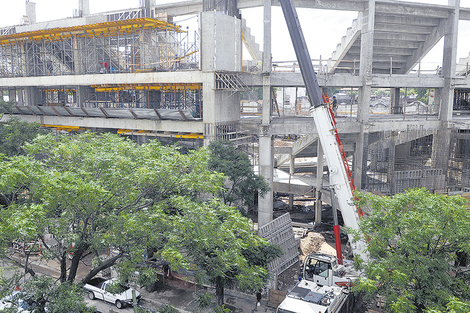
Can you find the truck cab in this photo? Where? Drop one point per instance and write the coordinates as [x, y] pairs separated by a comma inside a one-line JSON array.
[[325, 270]]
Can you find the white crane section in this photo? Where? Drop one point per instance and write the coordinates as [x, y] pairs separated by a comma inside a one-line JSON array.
[[338, 176]]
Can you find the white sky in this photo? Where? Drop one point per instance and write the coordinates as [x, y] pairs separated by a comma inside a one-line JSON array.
[[323, 29]]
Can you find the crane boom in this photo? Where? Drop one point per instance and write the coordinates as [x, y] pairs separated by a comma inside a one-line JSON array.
[[340, 178]]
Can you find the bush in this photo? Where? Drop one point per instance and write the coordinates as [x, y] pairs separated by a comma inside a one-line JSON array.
[[167, 309], [204, 299]]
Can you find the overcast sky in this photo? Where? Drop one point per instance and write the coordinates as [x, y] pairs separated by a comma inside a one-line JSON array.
[[323, 29]]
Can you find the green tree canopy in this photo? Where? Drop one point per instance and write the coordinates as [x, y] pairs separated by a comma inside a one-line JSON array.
[[15, 133], [50, 297], [413, 241], [97, 192], [218, 240], [243, 184]]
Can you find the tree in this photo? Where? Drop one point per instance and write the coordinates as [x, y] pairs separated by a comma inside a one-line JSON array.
[[242, 183], [413, 240], [48, 296], [94, 193], [221, 257], [42, 294], [14, 133]]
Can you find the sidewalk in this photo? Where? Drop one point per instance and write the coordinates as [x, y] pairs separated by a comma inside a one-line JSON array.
[[178, 292]]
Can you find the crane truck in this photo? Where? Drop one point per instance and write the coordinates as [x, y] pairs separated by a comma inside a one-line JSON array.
[[325, 283]]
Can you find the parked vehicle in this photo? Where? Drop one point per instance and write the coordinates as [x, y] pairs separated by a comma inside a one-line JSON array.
[[110, 290], [309, 297], [325, 270]]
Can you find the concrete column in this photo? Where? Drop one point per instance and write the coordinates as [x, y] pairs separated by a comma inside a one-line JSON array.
[[20, 97], [265, 204], [267, 37], [449, 62], [31, 12], [291, 172], [12, 95], [32, 96], [81, 92], [266, 117], [391, 165], [83, 8], [360, 159], [365, 69], [440, 154], [318, 186], [365, 72], [395, 107]]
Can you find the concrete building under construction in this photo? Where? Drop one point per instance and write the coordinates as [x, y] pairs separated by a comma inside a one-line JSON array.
[[135, 72]]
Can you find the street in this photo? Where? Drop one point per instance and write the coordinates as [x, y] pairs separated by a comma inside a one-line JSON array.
[[9, 269], [106, 307]]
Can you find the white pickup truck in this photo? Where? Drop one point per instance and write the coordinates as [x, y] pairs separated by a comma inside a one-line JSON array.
[[100, 288]]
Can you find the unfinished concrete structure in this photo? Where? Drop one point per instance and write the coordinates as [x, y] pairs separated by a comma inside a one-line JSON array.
[[135, 72]]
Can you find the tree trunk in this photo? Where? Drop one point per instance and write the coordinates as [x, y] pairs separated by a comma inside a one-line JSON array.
[[78, 251], [219, 291], [63, 267], [106, 264], [27, 268]]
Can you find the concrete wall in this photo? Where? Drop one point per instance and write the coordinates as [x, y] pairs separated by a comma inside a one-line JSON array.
[[221, 42]]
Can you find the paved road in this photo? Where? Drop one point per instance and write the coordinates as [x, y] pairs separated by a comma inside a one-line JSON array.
[[106, 307], [9, 270]]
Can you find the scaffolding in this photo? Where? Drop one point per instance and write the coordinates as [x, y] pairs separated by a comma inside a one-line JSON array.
[[123, 46], [402, 160], [459, 162], [180, 97]]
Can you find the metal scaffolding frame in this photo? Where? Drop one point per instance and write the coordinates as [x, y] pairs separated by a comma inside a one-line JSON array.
[[458, 179], [180, 97], [133, 45]]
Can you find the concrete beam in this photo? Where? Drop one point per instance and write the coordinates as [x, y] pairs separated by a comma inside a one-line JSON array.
[[397, 125], [108, 79], [464, 14], [407, 20], [179, 8], [351, 5], [295, 80], [412, 9], [115, 123], [383, 51], [385, 65], [397, 81], [297, 147], [403, 28], [399, 36], [396, 44], [348, 80], [386, 58]]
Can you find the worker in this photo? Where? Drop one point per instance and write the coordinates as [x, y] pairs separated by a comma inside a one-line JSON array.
[[334, 106]]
